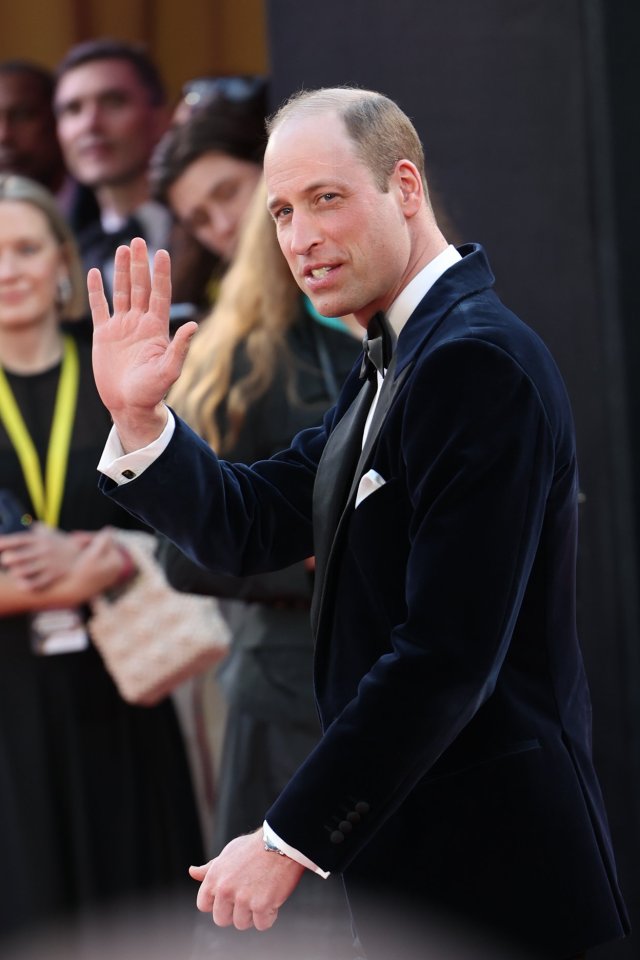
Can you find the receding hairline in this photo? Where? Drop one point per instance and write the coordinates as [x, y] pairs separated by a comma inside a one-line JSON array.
[[383, 134], [322, 100]]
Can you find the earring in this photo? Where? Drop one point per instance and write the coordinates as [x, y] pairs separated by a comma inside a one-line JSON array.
[[64, 290]]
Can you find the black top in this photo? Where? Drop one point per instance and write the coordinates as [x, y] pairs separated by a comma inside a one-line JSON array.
[[95, 796]]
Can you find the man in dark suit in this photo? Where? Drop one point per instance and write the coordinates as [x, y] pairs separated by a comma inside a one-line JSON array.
[[439, 496]]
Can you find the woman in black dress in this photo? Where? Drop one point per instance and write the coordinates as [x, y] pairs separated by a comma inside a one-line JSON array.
[[96, 803]]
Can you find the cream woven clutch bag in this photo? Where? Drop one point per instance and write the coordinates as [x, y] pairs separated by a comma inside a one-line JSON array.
[[151, 637]]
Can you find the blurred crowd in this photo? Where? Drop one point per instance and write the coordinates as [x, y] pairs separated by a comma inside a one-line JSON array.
[[104, 802]]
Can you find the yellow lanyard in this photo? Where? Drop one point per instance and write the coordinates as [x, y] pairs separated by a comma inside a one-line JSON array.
[[46, 496]]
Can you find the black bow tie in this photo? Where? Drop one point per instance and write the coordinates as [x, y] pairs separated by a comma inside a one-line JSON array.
[[377, 346]]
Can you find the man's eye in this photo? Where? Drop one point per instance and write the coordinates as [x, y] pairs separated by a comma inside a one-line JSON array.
[[68, 109], [115, 99], [22, 115], [282, 213]]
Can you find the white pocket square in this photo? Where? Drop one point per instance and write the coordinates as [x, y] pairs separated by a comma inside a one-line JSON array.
[[369, 482]]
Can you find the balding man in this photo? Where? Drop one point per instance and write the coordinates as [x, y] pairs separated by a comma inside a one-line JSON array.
[[440, 499]]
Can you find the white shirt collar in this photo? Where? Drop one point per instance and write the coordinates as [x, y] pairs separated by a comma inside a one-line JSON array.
[[411, 295]]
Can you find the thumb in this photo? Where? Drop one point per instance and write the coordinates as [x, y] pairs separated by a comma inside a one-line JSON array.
[[181, 340], [177, 350], [199, 873]]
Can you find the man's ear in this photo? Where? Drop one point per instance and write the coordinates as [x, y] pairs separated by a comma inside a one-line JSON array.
[[408, 182]]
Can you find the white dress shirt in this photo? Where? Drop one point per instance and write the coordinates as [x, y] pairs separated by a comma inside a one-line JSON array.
[[406, 302]]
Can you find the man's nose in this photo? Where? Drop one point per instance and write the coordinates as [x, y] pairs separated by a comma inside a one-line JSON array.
[[304, 234], [89, 118]]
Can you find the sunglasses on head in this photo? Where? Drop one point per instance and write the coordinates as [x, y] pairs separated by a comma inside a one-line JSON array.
[[232, 89]]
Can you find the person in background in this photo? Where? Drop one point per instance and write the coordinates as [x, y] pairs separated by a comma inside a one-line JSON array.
[[96, 805], [29, 143], [111, 110], [263, 366], [206, 168]]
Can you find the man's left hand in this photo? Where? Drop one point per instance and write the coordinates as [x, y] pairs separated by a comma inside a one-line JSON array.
[[246, 885]]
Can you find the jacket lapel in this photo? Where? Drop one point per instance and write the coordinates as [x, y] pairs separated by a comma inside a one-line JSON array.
[[339, 473], [390, 388], [333, 479], [344, 460]]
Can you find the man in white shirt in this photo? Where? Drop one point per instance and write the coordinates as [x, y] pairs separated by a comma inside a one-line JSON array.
[[439, 497]]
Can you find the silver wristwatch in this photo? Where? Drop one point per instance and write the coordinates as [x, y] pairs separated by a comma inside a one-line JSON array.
[[271, 848]]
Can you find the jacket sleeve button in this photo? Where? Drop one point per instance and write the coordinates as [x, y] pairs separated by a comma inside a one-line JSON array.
[[362, 808], [345, 827], [337, 836]]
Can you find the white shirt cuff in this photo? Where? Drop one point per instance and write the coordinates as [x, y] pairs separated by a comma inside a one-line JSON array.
[[122, 467], [270, 836]]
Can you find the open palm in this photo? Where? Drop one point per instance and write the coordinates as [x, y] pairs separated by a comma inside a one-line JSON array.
[[135, 361]]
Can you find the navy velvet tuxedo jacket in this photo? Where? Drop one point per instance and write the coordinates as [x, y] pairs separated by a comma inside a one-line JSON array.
[[455, 765]]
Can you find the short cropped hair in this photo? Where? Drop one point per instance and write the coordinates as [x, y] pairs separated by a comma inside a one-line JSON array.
[[105, 48], [381, 132], [25, 68]]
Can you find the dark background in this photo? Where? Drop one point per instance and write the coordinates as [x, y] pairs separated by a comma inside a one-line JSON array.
[[528, 110]]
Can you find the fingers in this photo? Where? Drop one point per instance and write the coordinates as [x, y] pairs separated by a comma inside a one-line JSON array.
[[222, 911], [20, 555], [81, 537], [31, 572], [204, 900], [160, 299], [97, 300], [245, 886], [122, 280], [36, 579], [140, 275], [225, 908], [99, 546], [241, 915], [265, 919], [133, 288], [242, 918], [8, 540]]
